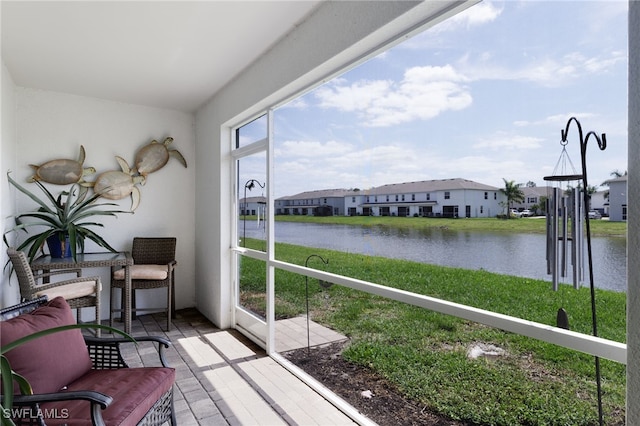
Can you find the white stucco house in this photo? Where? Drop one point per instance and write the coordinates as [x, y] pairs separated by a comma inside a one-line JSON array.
[[253, 206], [324, 202], [534, 196], [618, 193], [453, 198]]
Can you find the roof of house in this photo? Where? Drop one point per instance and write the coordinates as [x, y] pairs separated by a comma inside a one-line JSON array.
[[395, 188], [428, 186], [535, 190], [618, 179], [320, 193], [258, 199]]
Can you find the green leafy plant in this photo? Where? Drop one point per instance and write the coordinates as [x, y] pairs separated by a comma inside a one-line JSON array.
[[67, 215], [23, 383]]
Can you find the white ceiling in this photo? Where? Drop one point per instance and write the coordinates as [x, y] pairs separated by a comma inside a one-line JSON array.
[[158, 53]]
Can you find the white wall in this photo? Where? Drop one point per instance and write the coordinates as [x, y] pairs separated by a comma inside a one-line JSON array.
[[618, 197], [52, 125], [349, 33], [9, 291], [633, 221]]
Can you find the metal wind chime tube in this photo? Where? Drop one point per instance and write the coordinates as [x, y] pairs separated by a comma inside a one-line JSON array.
[[564, 239], [552, 237], [577, 236], [565, 235]]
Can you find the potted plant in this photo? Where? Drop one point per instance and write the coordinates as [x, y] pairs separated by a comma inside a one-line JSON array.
[[64, 219]]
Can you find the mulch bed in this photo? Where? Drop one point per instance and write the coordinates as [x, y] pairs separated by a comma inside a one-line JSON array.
[[386, 406]]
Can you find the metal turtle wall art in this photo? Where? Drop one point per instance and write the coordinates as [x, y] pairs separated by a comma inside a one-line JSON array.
[[154, 156], [62, 171], [118, 184], [112, 184]]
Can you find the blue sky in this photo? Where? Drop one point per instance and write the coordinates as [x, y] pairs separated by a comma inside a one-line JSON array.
[[481, 96]]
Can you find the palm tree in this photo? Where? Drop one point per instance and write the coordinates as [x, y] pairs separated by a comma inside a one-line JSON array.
[[541, 204], [615, 174], [513, 193]]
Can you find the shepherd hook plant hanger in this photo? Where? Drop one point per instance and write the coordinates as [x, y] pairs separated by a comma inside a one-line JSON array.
[[602, 144]]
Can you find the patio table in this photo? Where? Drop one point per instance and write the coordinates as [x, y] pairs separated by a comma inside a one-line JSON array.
[[93, 260]]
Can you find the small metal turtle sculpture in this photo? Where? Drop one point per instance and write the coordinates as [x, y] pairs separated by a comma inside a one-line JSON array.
[[62, 171], [116, 185], [155, 155]]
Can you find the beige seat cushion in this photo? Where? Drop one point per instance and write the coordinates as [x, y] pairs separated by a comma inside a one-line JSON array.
[[70, 291], [143, 272]]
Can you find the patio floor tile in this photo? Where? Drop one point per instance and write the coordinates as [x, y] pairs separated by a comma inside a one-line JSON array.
[[222, 378]]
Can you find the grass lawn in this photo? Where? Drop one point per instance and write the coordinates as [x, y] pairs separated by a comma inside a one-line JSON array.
[[522, 225], [425, 353]]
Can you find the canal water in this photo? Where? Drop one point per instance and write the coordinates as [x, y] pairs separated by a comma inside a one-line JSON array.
[[505, 253]]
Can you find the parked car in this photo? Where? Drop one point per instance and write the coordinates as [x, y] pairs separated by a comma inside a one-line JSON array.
[[594, 214], [515, 213], [526, 213]]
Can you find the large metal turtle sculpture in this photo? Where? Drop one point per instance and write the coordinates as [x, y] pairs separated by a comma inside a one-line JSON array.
[[155, 155], [116, 185], [62, 171]]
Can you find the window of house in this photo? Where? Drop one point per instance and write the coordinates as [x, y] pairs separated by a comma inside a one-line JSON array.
[[447, 195], [251, 180], [486, 195]]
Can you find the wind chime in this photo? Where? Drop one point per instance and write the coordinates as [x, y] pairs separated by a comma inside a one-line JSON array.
[[568, 228], [564, 210]]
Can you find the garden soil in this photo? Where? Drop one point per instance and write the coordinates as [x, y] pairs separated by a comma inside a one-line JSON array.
[[369, 393]]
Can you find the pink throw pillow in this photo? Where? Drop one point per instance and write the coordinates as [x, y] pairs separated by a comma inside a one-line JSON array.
[[51, 362]]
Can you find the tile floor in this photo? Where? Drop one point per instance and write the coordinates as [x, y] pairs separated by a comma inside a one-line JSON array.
[[225, 379]]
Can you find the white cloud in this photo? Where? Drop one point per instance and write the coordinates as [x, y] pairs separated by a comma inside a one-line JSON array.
[[478, 14], [312, 149], [299, 103], [424, 93], [359, 96], [547, 71], [558, 119], [505, 141], [321, 165], [330, 149]]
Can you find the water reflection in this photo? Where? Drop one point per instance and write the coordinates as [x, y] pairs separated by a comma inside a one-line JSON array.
[[513, 254]]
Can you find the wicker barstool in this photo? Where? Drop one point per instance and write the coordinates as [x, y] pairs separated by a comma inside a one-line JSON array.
[[80, 292], [154, 261]]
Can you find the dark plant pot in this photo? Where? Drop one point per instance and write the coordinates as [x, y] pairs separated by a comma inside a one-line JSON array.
[[59, 248]]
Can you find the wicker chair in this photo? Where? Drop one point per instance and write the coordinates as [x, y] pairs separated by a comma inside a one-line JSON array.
[[80, 292], [109, 392], [154, 261]]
